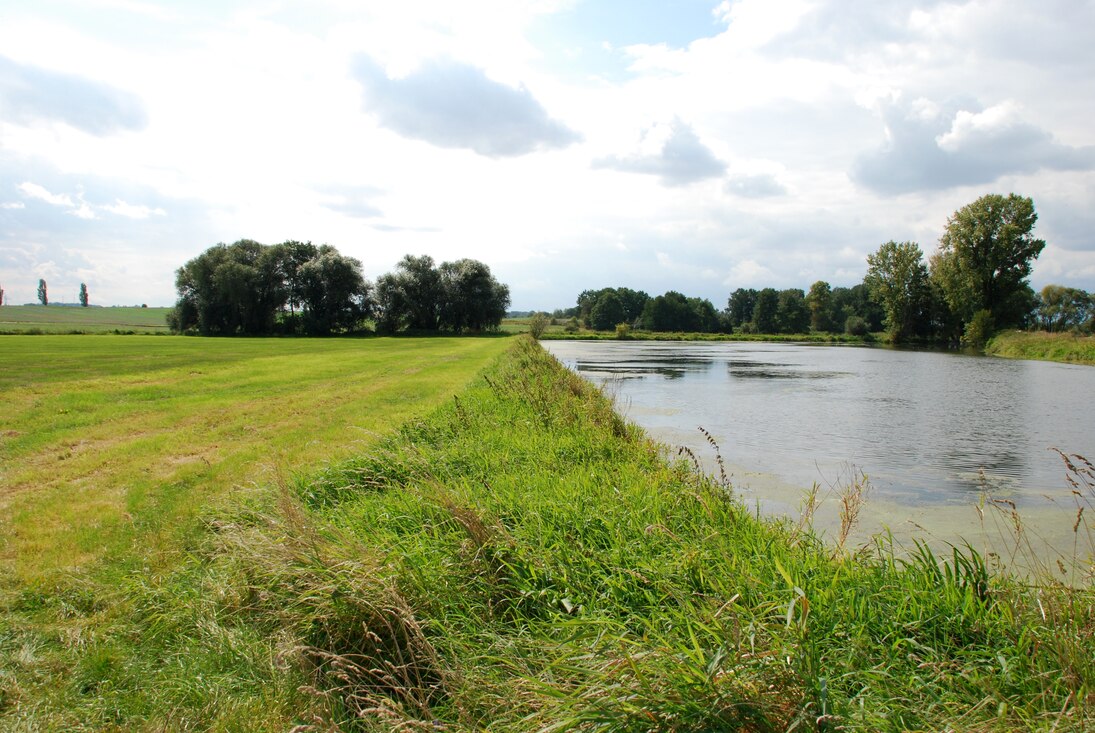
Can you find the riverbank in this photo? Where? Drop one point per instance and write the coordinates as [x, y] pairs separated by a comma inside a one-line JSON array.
[[523, 559], [1068, 348]]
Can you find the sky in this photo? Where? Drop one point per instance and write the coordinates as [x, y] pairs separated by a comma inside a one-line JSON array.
[[568, 144]]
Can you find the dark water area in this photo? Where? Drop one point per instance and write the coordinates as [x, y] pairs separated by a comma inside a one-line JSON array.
[[934, 432]]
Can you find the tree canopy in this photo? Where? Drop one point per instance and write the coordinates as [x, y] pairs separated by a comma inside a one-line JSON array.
[[898, 281], [985, 257], [248, 288]]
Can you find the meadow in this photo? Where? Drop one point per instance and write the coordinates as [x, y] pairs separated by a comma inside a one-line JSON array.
[[72, 319], [1064, 347], [508, 554], [114, 446]]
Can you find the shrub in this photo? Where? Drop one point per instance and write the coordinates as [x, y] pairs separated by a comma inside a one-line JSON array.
[[978, 330], [537, 325], [856, 326], [623, 331]]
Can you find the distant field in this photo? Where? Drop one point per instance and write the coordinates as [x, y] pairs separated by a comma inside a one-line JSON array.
[[69, 319]]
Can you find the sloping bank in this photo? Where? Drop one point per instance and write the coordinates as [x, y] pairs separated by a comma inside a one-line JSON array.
[[524, 560]]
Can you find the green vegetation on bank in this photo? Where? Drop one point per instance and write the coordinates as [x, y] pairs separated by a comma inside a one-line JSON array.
[[112, 450], [522, 559], [1066, 347], [27, 319]]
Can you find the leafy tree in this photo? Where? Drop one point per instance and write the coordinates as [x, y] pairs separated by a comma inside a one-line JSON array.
[[1, 295], [898, 281], [83, 294], [1060, 308], [764, 310], [607, 311], [411, 296], [820, 302], [333, 293], [985, 257], [707, 318], [792, 313], [472, 299], [632, 303], [245, 287], [740, 306], [43, 296], [856, 301]]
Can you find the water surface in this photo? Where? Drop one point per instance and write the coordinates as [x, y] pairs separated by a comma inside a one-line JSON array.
[[932, 431]]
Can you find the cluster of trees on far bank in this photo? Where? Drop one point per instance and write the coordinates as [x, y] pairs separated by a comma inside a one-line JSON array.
[[973, 284], [249, 288]]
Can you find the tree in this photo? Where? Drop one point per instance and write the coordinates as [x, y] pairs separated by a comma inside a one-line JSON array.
[[985, 257], [1, 295], [43, 296], [607, 311], [764, 310], [739, 308], [792, 313], [333, 293], [472, 300], [1060, 308], [898, 281], [83, 294], [820, 301]]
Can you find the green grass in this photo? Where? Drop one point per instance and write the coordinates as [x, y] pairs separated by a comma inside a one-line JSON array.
[[113, 447], [522, 559], [1042, 345], [68, 319]]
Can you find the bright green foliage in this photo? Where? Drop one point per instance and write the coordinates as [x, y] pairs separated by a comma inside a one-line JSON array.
[[599, 588], [537, 324], [898, 281], [1064, 347], [1061, 309], [985, 257]]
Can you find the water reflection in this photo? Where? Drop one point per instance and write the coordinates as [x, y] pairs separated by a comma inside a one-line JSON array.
[[930, 429]]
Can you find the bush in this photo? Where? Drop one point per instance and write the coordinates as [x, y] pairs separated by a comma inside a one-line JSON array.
[[978, 330], [623, 331], [856, 326], [537, 325]]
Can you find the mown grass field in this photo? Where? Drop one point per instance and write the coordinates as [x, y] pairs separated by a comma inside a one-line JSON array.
[[113, 447], [70, 319]]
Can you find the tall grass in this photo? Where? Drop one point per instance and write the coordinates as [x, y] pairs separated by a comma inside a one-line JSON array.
[[1064, 347], [525, 560]]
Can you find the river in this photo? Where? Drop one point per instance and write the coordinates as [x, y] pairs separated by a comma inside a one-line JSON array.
[[936, 434]]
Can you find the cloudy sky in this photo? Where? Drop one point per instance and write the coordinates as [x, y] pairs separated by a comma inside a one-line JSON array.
[[570, 144]]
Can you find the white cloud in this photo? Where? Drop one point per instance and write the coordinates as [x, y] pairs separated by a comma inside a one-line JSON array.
[[38, 192], [133, 211]]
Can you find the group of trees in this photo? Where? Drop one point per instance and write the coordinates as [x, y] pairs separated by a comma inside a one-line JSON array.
[[975, 282], [294, 287]]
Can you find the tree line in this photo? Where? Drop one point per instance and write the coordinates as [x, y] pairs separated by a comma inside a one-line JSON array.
[[249, 288], [973, 284]]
